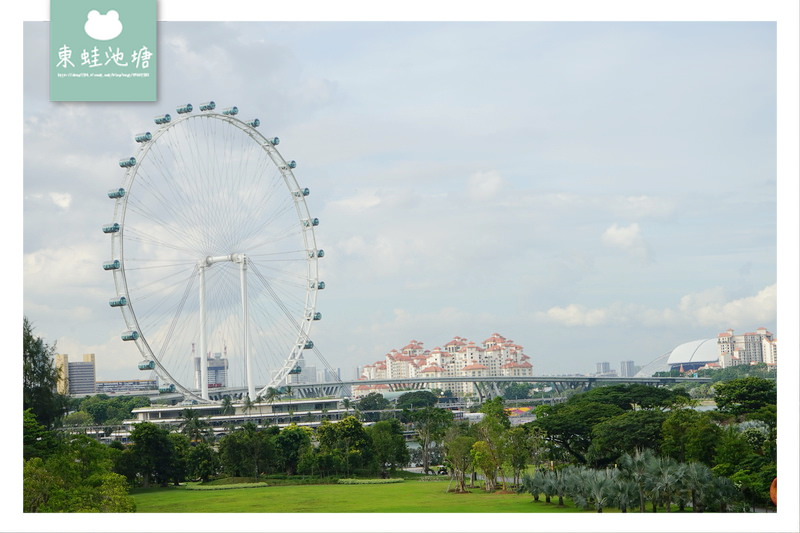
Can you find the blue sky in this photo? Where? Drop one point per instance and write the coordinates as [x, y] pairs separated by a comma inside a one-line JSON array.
[[593, 191]]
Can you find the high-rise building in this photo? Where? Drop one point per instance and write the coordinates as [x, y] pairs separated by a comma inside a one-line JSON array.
[[603, 367], [217, 365], [759, 346], [77, 377], [627, 369]]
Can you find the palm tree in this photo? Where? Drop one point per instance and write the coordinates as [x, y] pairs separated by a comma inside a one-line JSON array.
[[289, 392], [346, 405], [227, 406], [624, 493], [272, 394], [719, 491], [637, 468], [533, 484], [259, 402], [578, 481], [247, 404], [697, 477], [666, 472], [194, 427], [600, 490], [548, 485], [560, 482]]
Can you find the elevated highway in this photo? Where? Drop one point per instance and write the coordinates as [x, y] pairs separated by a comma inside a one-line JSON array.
[[487, 386]]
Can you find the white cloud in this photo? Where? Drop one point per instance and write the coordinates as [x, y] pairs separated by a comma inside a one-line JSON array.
[[71, 268], [61, 199], [641, 206], [578, 315], [627, 238], [707, 309], [623, 238], [361, 201], [484, 185], [711, 309]]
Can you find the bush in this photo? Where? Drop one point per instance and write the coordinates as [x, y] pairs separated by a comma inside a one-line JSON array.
[[351, 481], [193, 486]]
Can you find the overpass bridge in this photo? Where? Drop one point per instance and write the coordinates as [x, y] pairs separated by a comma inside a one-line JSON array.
[[486, 386]]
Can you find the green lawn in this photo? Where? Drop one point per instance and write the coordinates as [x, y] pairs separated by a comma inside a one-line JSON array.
[[406, 497]]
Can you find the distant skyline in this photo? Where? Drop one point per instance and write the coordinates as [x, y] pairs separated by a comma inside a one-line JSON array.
[[587, 189]]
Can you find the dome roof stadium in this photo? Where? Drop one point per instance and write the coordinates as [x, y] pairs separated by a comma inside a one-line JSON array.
[[694, 354], [702, 351]]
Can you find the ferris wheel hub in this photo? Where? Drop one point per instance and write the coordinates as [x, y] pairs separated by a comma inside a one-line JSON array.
[[233, 258]]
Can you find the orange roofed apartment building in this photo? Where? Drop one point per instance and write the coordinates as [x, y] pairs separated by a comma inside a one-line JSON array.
[[458, 358], [759, 346]]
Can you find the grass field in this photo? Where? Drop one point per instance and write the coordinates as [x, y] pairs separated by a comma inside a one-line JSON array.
[[407, 497]]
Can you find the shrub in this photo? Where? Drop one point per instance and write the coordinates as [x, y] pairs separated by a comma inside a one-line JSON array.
[[351, 481]]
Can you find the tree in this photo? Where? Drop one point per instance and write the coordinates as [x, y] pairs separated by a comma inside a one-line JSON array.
[[248, 451], [666, 474], [78, 419], [152, 453], [75, 478], [179, 465], [194, 427], [486, 461], [417, 400], [537, 443], [291, 442], [533, 484], [37, 440], [344, 445], [519, 450], [625, 433], [107, 410], [745, 395], [457, 446], [39, 378], [624, 493], [600, 490], [517, 391], [389, 445], [637, 468], [569, 425], [688, 435], [430, 423], [492, 430], [697, 477], [203, 462], [374, 401], [227, 407], [633, 396], [248, 404]]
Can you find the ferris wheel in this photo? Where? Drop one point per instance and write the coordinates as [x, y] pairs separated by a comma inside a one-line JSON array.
[[213, 254]]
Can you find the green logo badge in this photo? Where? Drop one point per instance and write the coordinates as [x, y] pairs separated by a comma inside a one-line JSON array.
[[103, 50]]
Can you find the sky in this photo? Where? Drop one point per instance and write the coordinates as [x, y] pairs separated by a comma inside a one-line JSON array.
[[592, 191]]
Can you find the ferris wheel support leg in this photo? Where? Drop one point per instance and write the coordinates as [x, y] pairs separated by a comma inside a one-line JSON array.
[[251, 391], [203, 350]]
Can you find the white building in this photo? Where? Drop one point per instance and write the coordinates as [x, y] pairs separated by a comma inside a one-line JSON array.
[[460, 357], [759, 346]]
